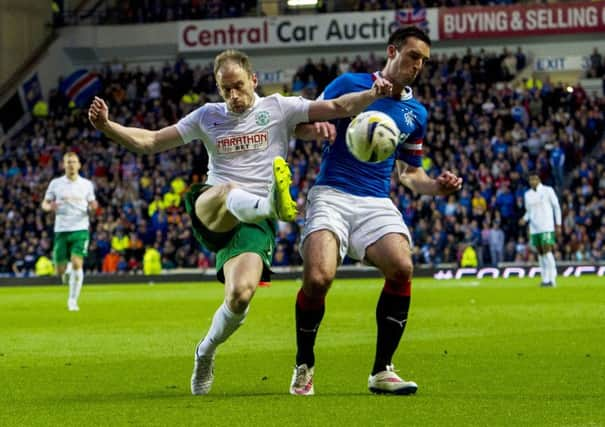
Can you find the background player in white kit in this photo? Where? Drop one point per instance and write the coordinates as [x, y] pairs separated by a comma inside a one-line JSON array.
[[70, 197], [234, 212], [542, 212]]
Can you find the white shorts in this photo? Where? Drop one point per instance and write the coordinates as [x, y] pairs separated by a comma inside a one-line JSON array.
[[356, 221]]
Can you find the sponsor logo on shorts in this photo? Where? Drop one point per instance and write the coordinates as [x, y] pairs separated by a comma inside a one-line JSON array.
[[237, 143]]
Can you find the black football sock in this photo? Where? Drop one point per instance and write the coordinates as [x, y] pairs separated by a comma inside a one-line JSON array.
[[309, 313], [391, 318]]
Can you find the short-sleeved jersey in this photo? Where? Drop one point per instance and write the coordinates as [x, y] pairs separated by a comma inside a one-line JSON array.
[[542, 209], [72, 198], [341, 170], [241, 147]]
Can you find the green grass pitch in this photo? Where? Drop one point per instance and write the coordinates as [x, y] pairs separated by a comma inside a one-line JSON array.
[[484, 353]]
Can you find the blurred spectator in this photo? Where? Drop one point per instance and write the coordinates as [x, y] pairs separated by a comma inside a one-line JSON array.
[[496, 243], [469, 257], [44, 266], [152, 260], [111, 261]]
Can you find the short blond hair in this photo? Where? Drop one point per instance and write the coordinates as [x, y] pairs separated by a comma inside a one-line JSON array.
[[235, 57]]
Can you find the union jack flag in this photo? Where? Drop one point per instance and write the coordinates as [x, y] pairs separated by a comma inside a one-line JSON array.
[[415, 16]]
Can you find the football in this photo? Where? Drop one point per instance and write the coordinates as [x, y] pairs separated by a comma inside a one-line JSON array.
[[372, 136]]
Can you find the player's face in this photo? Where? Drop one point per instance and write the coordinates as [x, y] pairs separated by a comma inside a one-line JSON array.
[[404, 65], [236, 87], [534, 180], [71, 165]]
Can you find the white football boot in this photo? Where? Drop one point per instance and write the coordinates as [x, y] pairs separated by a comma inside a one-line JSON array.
[[388, 382], [203, 375], [302, 381], [72, 305]]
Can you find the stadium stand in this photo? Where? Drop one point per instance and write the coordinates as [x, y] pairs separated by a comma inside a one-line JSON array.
[[483, 125]]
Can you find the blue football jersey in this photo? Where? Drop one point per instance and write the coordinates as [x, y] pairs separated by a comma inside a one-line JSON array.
[[341, 170]]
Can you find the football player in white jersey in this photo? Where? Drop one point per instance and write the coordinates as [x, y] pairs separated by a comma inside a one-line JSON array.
[[247, 188], [71, 197], [542, 212]]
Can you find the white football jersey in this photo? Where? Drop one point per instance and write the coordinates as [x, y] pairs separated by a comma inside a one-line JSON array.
[[72, 198], [241, 147], [542, 209]]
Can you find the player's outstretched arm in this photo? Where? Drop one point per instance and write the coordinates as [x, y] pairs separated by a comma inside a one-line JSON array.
[[141, 141], [318, 131], [416, 179], [349, 104]]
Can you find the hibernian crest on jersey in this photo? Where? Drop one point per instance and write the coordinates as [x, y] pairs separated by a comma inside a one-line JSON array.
[[262, 118]]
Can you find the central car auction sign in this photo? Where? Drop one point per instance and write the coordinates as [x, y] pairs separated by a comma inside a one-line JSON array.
[[512, 21], [293, 31]]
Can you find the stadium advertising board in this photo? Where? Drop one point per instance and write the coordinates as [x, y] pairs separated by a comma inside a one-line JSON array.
[[297, 31], [514, 272], [513, 21]]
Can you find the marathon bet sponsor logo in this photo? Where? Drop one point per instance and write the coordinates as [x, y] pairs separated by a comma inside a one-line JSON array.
[[238, 143]]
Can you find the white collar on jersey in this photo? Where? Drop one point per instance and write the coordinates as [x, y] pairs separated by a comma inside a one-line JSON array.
[[406, 94]]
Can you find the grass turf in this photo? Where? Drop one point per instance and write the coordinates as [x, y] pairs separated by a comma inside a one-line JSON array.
[[488, 352]]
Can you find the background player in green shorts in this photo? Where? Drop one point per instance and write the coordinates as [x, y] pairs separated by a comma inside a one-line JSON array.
[[542, 213], [70, 197], [246, 138]]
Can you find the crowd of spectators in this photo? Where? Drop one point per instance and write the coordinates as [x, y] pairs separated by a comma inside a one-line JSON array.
[[150, 11], [480, 127]]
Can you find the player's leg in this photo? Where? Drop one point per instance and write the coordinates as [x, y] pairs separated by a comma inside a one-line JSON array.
[[536, 242], [324, 244], [242, 275], [60, 255], [76, 278], [391, 254], [551, 265], [242, 262], [220, 207], [320, 254], [78, 249]]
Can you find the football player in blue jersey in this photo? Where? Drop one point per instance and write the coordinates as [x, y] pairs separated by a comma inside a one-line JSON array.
[[349, 212]]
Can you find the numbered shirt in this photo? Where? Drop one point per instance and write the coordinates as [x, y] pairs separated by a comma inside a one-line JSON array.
[[72, 198], [241, 147], [542, 209]]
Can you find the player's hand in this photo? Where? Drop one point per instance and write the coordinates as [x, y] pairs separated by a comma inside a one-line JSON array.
[[98, 113], [54, 206], [522, 222], [558, 232], [381, 87], [448, 183], [324, 131]]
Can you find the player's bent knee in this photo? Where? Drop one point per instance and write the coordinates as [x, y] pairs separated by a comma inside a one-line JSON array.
[[401, 273], [317, 282], [239, 301]]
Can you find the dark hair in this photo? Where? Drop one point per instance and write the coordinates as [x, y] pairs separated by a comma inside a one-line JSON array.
[[533, 172], [398, 37]]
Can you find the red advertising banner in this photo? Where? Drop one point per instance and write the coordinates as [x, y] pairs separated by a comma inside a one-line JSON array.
[[513, 21]]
